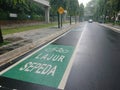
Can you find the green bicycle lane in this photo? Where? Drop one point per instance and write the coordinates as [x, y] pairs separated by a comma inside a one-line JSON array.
[[46, 66]]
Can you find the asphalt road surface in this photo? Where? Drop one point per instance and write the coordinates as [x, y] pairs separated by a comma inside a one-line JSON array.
[[95, 63]]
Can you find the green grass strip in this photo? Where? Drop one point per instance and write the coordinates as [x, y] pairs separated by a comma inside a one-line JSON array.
[[4, 43], [26, 28]]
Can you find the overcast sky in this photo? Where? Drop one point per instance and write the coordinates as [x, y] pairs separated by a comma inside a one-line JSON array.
[[84, 1]]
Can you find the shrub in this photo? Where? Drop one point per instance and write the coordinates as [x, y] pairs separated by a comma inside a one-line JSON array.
[[22, 16], [37, 17], [3, 15]]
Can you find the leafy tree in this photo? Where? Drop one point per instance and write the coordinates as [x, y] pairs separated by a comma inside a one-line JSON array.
[[12, 1], [81, 12], [55, 4], [106, 9], [3, 5], [73, 8], [21, 7]]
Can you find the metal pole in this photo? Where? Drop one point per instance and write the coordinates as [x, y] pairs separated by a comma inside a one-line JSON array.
[[61, 20], [58, 20]]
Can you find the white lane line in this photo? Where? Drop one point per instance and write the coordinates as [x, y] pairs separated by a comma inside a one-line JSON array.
[[67, 72], [32, 54]]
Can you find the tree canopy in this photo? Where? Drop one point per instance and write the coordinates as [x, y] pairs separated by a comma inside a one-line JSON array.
[[105, 9], [72, 6], [81, 11], [23, 8]]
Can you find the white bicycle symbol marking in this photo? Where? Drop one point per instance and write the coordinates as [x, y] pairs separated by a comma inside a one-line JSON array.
[[59, 50]]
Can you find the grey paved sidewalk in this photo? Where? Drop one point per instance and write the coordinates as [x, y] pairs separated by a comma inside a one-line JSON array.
[[36, 34], [115, 28], [30, 40]]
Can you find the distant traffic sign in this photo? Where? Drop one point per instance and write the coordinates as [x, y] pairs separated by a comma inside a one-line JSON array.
[[61, 10]]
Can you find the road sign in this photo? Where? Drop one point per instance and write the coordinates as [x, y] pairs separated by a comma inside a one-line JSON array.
[[44, 67], [61, 10], [13, 15]]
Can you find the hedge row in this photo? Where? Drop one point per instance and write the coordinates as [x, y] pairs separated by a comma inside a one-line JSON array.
[[21, 16]]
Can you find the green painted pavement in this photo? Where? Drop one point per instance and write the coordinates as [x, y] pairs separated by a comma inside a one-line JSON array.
[[45, 67]]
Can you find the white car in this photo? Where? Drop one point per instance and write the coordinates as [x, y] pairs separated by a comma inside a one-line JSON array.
[[90, 21]]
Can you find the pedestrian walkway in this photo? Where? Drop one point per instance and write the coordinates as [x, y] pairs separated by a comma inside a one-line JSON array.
[[29, 40], [37, 33], [116, 28]]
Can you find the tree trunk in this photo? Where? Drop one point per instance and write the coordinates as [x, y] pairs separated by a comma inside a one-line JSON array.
[[70, 20], [1, 38], [75, 19]]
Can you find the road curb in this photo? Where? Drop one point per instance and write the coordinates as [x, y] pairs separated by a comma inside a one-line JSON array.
[[11, 55], [110, 27]]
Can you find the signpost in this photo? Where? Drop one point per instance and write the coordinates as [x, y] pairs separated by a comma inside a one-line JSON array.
[[60, 11]]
